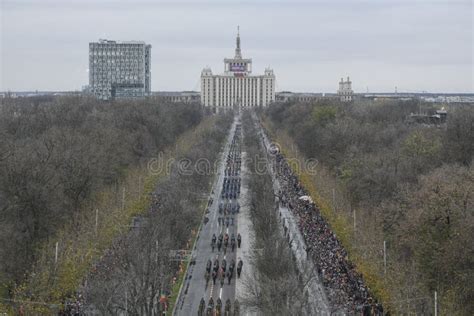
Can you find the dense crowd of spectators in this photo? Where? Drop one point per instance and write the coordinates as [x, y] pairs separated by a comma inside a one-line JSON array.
[[344, 286]]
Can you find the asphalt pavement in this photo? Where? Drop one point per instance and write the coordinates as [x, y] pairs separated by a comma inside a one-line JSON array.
[[195, 287]]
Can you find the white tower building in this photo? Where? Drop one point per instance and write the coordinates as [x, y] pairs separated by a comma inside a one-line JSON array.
[[237, 86], [345, 90]]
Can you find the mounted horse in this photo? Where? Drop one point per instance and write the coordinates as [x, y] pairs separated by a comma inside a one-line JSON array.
[[202, 306], [228, 308], [218, 307], [236, 308]]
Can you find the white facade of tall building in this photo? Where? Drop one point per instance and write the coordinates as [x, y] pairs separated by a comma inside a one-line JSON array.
[[345, 92], [237, 86], [119, 69]]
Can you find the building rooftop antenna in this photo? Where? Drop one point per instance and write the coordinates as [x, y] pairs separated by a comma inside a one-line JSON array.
[[238, 53]]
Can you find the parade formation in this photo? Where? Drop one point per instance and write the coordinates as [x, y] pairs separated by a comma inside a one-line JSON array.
[[224, 266], [211, 284]]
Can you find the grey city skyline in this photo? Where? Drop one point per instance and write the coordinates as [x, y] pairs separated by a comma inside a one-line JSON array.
[[414, 45]]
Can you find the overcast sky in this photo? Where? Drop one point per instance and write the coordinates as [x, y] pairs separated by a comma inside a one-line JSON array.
[[414, 45]]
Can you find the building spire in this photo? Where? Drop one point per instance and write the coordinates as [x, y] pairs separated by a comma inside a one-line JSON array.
[[238, 54]]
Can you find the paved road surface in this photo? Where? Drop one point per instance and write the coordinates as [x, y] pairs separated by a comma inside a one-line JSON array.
[[194, 288]]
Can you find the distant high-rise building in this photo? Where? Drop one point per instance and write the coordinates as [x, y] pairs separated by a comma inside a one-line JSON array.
[[345, 92], [119, 69], [237, 86]]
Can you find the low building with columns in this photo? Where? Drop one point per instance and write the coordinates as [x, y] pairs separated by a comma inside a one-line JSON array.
[[237, 86]]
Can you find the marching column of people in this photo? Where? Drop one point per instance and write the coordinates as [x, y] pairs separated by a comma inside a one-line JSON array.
[[218, 271], [345, 287]]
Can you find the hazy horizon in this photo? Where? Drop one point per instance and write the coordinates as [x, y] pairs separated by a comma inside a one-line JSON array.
[[422, 46]]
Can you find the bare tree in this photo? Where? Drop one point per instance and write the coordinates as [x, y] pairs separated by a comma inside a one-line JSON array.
[[276, 288]]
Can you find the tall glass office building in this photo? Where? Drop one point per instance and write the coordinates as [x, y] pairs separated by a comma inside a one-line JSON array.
[[119, 69]]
